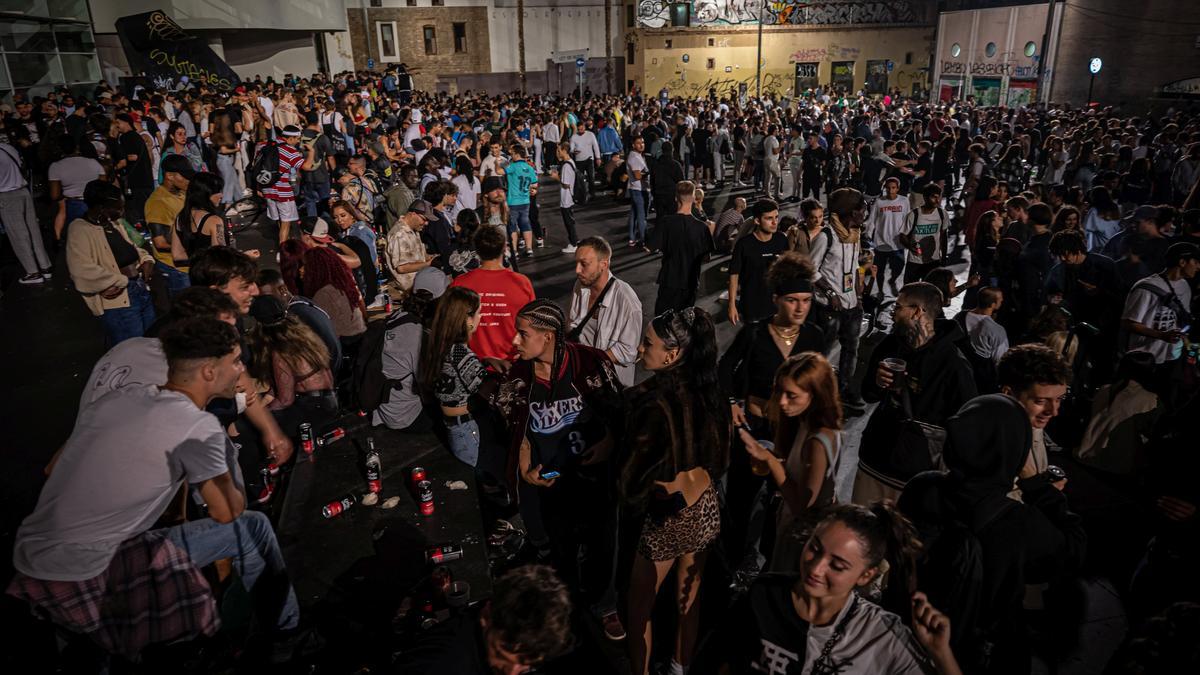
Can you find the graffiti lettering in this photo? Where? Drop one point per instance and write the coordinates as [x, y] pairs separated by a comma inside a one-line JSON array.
[[991, 68], [833, 52], [806, 70], [195, 72], [161, 27], [953, 68], [772, 83], [656, 14]]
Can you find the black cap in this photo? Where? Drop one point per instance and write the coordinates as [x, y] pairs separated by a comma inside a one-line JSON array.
[[101, 193], [422, 207], [1182, 250], [267, 309]]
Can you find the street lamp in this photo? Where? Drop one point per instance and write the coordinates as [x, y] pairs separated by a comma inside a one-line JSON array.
[[1094, 68]]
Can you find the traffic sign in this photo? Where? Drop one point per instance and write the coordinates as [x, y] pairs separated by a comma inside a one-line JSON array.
[[580, 62], [1095, 64], [890, 65], [370, 64]]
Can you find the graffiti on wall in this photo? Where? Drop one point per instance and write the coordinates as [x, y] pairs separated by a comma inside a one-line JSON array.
[[989, 69], [772, 83], [833, 52], [656, 13]]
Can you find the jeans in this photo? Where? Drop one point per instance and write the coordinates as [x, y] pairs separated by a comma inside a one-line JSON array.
[[892, 259], [518, 219], [123, 323], [251, 542], [225, 167], [568, 217], [637, 215], [75, 209], [176, 280], [587, 174], [773, 178], [316, 197], [464, 441], [849, 325]]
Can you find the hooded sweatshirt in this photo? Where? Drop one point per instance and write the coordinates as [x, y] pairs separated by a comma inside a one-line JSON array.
[[1035, 542], [939, 381]]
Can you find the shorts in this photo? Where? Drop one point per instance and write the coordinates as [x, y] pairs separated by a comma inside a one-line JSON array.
[[691, 530], [282, 211], [518, 219]]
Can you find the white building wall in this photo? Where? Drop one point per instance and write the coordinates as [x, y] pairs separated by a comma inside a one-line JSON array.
[[549, 29], [229, 14]]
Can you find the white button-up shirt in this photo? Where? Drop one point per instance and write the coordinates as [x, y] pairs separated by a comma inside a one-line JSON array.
[[616, 327]]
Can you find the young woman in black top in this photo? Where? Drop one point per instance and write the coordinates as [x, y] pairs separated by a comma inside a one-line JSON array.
[[200, 224]]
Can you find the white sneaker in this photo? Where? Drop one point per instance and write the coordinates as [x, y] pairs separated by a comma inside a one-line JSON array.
[[30, 279], [380, 301], [723, 296], [569, 250]]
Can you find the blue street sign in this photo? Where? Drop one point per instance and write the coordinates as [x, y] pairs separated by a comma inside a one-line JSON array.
[[580, 62], [890, 65], [370, 64]]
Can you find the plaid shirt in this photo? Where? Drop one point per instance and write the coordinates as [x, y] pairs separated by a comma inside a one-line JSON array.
[[151, 593]]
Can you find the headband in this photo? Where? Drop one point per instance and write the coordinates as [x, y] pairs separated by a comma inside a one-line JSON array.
[[794, 285]]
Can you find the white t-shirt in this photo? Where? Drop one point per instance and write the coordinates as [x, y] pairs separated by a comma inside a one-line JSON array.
[[136, 362], [888, 218], [129, 454], [10, 169], [468, 193], [635, 162], [566, 190], [1149, 309], [927, 230], [75, 173], [770, 145], [988, 338]]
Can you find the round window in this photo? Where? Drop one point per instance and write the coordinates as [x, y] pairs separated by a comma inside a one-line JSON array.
[[955, 50], [1030, 48], [990, 49]]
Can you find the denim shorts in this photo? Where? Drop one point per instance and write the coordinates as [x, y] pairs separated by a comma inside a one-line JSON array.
[[518, 219], [464, 441]]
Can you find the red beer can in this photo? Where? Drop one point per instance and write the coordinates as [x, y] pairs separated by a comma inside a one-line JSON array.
[[418, 474], [331, 436], [335, 508], [425, 496], [307, 443]]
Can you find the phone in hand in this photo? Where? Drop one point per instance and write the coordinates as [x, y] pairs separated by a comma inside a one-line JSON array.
[[549, 475], [745, 426]]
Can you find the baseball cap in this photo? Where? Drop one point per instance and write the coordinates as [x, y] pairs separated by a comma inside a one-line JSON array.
[[267, 309], [178, 164], [492, 183], [422, 207], [431, 279], [316, 228], [1182, 250]]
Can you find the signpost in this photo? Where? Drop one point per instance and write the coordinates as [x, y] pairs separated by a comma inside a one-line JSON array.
[[370, 64], [1094, 68], [580, 64]]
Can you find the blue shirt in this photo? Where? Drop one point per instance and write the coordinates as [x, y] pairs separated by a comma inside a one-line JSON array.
[[362, 231], [520, 177]]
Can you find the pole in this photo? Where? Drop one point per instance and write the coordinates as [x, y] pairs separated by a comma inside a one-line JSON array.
[[1091, 83], [1043, 74], [579, 76], [366, 31], [758, 56]]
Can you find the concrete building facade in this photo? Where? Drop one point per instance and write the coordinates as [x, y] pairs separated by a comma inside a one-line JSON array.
[[692, 47]]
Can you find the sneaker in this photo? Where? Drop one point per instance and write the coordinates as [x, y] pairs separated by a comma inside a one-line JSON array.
[[30, 279], [569, 250], [613, 630], [723, 296], [632, 244], [521, 244], [541, 243], [528, 253], [380, 302], [46, 275]]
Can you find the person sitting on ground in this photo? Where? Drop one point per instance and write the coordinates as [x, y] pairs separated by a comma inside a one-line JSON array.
[[94, 512], [328, 281], [294, 363], [403, 408], [270, 282], [814, 620]]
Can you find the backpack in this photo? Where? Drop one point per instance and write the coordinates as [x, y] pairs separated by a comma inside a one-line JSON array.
[[367, 379], [983, 368], [338, 140], [264, 170]]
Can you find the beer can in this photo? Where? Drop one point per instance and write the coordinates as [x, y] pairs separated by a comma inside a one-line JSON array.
[[307, 443], [425, 497], [443, 553], [335, 508], [374, 467], [418, 474], [331, 436]]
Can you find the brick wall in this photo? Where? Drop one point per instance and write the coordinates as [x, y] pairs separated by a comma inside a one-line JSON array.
[[410, 22]]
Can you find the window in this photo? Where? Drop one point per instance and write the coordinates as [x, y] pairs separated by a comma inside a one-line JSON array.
[[629, 53], [681, 14], [377, 3], [990, 49], [667, 44], [712, 42], [1030, 48], [908, 58], [710, 64], [387, 39], [437, 3], [460, 38], [430, 34], [630, 16], [955, 50], [411, 3]]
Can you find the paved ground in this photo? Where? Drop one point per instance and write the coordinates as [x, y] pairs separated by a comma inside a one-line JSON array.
[[48, 343]]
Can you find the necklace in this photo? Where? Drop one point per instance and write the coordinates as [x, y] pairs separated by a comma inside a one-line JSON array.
[[788, 338]]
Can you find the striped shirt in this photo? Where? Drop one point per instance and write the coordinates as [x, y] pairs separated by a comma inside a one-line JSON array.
[[290, 161]]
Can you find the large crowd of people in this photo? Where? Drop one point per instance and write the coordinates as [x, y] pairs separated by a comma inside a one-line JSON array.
[[631, 453]]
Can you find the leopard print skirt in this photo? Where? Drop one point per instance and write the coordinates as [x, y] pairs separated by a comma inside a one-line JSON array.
[[691, 530]]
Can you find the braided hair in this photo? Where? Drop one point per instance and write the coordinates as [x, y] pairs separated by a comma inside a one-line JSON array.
[[544, 314]]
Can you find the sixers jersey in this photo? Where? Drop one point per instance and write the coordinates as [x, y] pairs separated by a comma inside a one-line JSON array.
[[561, 424]]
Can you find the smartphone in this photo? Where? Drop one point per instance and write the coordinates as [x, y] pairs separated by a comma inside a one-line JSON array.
[[744, 426], [550, 475]]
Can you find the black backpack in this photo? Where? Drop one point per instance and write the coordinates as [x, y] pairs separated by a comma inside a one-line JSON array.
[[367, 379], [983, 368], [264, 170], [335, 137]]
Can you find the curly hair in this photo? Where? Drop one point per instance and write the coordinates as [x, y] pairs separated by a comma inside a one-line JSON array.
[[789, 266], [1026, 365], [291, 257], [530, 614], [323, 267]]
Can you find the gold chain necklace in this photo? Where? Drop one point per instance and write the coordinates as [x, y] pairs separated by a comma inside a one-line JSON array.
[[788, 339]]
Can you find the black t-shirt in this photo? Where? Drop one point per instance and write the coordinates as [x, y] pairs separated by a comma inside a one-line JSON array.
[[763, 628], [365, 275], [123, 252], [750, 261], [814, 160], [137, 171], [924, 163], [684, 241], [324, 148]]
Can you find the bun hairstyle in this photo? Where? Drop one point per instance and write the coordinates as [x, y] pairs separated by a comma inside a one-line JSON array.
[[890, 545]]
